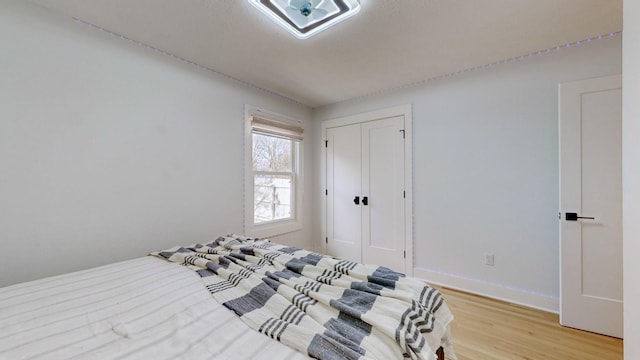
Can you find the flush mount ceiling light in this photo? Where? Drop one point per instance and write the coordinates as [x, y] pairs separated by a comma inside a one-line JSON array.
[[304, 18]]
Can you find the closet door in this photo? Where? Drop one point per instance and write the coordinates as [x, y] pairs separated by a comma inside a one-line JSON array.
[[365, 192], [383, 215], [343, 162]]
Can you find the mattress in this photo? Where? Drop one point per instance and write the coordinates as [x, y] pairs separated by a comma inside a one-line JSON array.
[[139, 309]]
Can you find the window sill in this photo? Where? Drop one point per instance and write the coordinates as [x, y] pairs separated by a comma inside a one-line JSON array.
[[274, 229]]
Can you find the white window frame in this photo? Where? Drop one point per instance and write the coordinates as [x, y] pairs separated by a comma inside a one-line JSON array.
[[275, 227]]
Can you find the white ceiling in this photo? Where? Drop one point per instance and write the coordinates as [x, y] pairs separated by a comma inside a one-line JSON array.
[[390, 43]]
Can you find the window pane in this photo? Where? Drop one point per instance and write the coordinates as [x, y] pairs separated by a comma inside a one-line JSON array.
[[272, 198], [271, 153]]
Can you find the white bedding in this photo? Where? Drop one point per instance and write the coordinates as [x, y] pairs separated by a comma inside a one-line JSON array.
[[325, 307], [144, 308]]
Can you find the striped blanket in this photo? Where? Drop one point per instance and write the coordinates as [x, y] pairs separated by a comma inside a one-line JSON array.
[[321, 306]]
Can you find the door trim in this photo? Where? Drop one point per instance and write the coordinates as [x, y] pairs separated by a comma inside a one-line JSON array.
[[406, 112]]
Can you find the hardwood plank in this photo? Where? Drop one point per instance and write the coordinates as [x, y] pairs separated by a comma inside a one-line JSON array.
[[484, 328]]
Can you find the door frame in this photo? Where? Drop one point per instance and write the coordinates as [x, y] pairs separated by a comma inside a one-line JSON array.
[[401, 110]]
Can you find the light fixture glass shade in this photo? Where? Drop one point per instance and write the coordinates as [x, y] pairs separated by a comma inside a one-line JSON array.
[[304, 18]]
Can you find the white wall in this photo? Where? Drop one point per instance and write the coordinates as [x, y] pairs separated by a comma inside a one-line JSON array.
[[485, 154], [631, 178], [109, 150]]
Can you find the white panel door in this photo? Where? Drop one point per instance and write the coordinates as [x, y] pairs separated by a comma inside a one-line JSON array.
[[383, 187], [591, 205], [343, 162]]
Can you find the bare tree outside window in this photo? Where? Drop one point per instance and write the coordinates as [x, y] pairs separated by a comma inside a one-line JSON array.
[[273, 160]]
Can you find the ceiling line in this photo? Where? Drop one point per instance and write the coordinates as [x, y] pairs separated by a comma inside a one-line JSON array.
[[176, 57], [383, 91], [476, 68]]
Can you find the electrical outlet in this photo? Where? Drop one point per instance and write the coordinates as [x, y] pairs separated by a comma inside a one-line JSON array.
[[489, 259]]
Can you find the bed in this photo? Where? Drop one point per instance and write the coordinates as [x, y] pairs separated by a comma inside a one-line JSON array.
[[286, 303]]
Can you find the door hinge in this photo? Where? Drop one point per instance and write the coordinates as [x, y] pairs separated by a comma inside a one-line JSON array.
[[326, 240], [326, 143], [402, 131], [404, 253], [404, 194], [326, 191]]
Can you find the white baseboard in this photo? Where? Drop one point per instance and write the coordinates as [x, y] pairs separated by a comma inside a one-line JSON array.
[[496, 291]]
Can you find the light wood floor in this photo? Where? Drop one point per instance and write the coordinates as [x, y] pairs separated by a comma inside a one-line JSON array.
[[489, 329]]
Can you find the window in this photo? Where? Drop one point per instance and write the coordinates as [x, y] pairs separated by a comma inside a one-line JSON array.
[[273, 181], [273, 177]]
